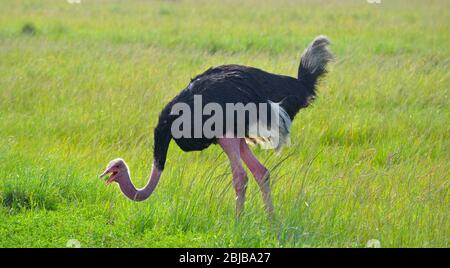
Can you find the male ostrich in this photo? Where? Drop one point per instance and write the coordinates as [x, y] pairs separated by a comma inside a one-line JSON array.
[[233, 84]]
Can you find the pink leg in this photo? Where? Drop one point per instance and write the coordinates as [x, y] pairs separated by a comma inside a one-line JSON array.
[[240, 180], [260, 173]]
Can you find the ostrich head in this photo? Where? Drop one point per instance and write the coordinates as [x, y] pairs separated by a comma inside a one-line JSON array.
[[120, 173], [118, 170]]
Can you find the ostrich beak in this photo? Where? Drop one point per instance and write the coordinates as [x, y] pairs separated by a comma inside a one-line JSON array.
[[106, 172], [111, 178]]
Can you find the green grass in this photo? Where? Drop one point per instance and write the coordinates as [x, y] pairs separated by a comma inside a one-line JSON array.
[[83, 84]]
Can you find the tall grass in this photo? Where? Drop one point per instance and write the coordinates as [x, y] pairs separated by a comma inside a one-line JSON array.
[[83, 84]]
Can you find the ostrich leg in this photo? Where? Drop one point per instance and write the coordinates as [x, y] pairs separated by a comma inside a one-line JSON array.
[[240, 180], [261, 175]]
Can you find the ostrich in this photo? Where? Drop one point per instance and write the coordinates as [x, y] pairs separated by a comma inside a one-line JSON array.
[[233, 84]]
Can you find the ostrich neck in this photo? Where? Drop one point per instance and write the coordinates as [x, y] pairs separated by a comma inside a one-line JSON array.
[[130, 191]]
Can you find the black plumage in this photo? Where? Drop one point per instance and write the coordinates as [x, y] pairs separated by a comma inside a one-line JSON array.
[[242, 84]]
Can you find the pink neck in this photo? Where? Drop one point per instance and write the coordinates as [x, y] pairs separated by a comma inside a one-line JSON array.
[[130, 191]]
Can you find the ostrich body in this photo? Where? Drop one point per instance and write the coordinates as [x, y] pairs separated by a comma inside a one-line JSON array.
[[232, 84]]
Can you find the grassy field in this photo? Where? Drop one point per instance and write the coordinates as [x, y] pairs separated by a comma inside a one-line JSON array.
[[81, 84]]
